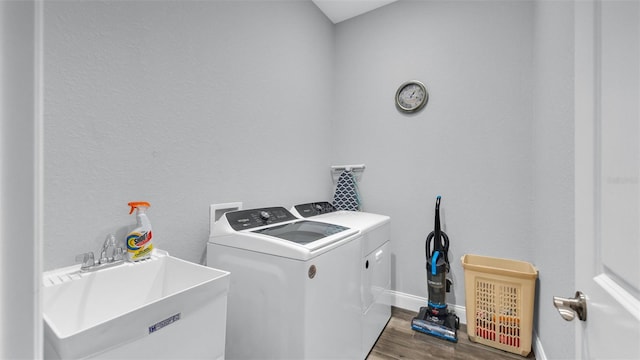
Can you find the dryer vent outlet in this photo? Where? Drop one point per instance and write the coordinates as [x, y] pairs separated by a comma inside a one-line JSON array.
[[217, 210]]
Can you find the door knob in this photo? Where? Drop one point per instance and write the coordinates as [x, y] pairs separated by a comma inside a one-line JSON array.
[[569, 307]]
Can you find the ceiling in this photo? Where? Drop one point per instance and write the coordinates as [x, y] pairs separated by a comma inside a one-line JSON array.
[[340, 10]]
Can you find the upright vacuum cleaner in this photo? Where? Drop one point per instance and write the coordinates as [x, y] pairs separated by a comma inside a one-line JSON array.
[[435, 319]]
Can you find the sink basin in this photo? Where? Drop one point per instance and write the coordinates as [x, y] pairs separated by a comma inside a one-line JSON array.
[[162, 307]]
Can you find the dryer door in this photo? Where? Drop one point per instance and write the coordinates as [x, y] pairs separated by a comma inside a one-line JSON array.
[[376, 280]]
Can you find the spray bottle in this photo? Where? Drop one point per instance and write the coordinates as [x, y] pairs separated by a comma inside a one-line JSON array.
[[139, 245]]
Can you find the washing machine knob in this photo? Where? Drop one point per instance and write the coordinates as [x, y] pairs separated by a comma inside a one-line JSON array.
[[264, 215]]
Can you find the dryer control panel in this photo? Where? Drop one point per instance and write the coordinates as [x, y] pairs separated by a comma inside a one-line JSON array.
[[249, 219], [313, 209]]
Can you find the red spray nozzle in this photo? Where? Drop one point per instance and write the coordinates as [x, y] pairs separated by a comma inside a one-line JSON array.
[[136, 204]]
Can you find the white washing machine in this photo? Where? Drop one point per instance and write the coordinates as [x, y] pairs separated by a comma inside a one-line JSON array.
[[375, 263], [294, 289]]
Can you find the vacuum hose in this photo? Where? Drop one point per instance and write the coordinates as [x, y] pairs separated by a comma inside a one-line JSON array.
[[444, 246], [439, 238]]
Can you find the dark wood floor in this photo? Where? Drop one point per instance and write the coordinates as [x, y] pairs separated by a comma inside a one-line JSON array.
[[398, 341]]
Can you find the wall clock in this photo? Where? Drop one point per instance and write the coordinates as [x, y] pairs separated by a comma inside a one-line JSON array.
[[411, 96]]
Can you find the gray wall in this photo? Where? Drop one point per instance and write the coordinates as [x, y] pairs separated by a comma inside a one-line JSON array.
[[182, 104], [189, 104], [553, 171], [496, 139], [471, 144], [20, 319]]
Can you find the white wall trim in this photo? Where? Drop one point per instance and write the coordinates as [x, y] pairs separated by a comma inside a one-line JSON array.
[[38, 205], [413, 303], [536, 344]]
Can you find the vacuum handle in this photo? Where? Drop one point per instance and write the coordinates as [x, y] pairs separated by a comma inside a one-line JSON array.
[[442, 246], [436, 226]]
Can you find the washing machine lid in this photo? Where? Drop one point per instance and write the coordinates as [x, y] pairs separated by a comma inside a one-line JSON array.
[[277, 232], [302, 232], [375, 229]]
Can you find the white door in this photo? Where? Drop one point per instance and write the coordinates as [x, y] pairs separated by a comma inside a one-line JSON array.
[[607, 196]]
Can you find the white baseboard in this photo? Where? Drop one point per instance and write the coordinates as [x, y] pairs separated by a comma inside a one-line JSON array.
[[536, 344], [413, 303]]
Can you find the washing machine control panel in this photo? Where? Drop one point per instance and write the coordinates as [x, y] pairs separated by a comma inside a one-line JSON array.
[[313, 209], [249, 219]]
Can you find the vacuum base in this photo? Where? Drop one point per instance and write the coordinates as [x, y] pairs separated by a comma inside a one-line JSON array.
[[445, 327]]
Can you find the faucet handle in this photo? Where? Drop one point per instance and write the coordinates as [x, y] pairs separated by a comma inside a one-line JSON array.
[[87, 260], [108, 252], [118, 254], [110, 241], [103, 257]]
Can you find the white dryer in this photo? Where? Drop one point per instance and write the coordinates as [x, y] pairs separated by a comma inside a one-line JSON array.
[[375, 263], [294, 285]]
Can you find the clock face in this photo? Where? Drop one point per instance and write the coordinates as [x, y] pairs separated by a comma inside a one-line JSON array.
[[411, 96]]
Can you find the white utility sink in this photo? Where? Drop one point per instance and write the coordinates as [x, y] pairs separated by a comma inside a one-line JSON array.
[[162, 307]]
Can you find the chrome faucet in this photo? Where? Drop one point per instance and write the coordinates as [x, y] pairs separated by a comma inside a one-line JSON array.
[[87, 261], [110, 255], [110, 252]]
